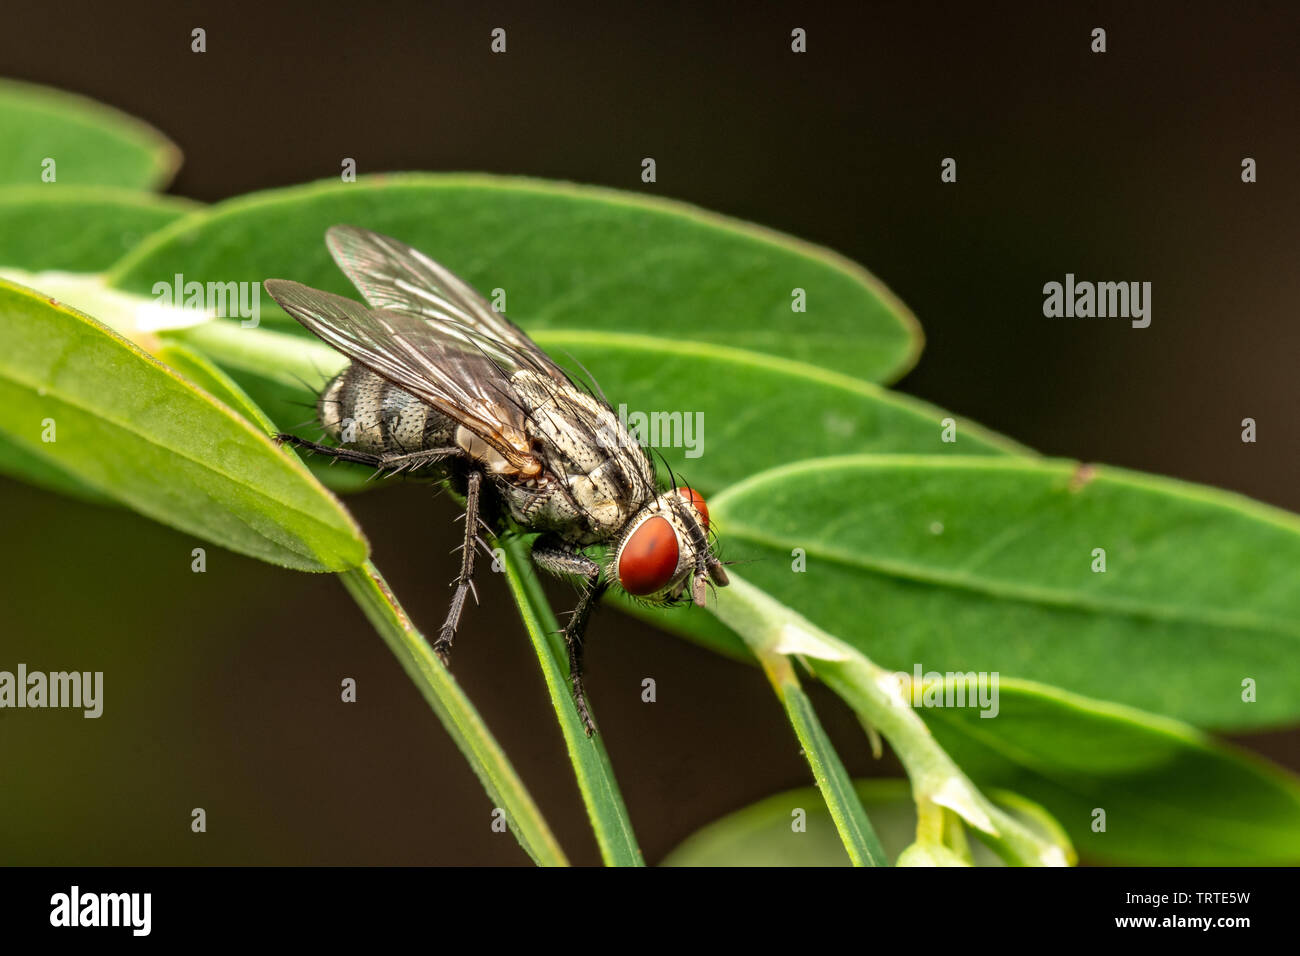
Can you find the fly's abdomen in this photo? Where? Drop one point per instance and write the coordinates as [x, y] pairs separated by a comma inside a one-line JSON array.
[[362, 410]]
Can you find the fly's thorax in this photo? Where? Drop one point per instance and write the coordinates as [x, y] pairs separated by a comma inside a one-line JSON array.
[[577, 508], [603, 501], [582, 428], [604, 476]]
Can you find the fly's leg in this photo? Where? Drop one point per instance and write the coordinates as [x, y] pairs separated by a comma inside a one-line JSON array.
[[556, 557], [388, 461], [465, 580], [413, 461], [574, 636], [338, 454]]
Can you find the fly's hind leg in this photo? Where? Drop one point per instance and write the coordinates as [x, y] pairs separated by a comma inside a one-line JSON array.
[[555, 556], [338, 454], [388, 461], [464, 582]]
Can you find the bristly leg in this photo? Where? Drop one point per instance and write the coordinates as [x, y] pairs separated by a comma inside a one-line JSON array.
[[338, 454], [465, 581], [575, 633], [555, 556], [385, 462]]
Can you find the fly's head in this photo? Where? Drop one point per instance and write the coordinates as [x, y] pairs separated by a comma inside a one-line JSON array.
[[664, 554]]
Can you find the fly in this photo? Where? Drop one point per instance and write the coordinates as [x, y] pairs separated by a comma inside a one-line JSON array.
[[441, 385]]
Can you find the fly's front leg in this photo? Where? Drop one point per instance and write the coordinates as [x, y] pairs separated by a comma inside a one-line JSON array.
[[555, 556], [465, 580]]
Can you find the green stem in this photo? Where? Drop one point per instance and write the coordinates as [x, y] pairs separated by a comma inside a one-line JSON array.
[[457, 714], [770, 627], [283, 357], [591, 766], [832, 779]]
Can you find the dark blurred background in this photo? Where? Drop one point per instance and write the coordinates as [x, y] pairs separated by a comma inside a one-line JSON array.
[[222, 690]]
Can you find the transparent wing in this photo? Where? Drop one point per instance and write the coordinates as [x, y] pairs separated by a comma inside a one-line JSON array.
[[447, 364], [393, 276]]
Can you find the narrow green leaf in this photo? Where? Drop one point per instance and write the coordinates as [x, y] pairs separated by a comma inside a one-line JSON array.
[[91, 144], [457, 714], [565, 257], [93, 405], [78, 228], [986, 564], [851, 821], [1170, 795], [591, 766]]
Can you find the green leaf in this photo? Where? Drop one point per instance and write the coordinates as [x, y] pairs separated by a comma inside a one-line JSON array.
[[595, 775], [90, 143], [295, 412], [567, 258], [762, 833], [19, 463], [457, 714], [130, 428], [1171, 795], [215, 382], [754, 407], [272, 369], [78, 228], [985, 564]]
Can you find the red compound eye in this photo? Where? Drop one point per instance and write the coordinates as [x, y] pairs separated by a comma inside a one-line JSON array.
[[648, 558], [697, 502]]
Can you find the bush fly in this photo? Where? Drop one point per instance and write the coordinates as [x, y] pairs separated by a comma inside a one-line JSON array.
[[443, 386]]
